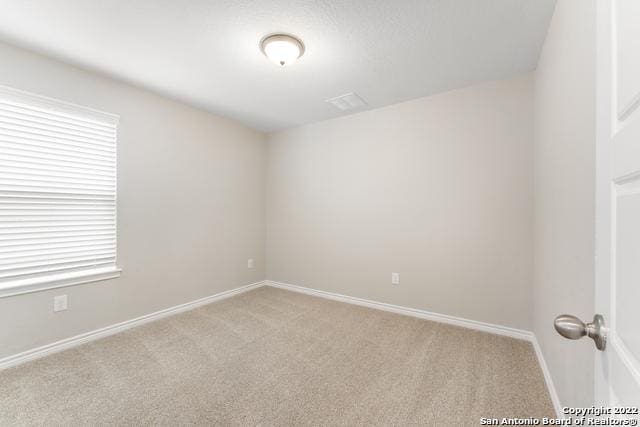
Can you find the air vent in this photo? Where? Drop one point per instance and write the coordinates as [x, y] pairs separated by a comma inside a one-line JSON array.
[[348, 101]]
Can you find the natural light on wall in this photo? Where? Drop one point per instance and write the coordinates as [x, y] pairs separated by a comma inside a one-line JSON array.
[[57, 193]]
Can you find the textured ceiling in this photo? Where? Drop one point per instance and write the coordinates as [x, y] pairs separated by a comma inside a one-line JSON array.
[[205, 52]]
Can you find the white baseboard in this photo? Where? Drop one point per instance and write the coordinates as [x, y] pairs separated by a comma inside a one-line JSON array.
[[67, 343], [414, 312], [547, 377], [442, 318]]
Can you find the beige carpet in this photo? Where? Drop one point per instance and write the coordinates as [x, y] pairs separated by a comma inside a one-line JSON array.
[[273, 357]]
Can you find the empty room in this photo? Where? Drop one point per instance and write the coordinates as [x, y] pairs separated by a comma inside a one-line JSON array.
[[327, 213]]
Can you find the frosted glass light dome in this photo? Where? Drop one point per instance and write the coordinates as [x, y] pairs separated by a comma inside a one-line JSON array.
[[282, 49]]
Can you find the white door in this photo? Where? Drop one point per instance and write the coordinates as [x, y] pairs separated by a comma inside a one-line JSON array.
[[618, 201]]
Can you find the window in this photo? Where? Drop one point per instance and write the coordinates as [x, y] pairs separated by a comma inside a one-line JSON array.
[[57, 193]]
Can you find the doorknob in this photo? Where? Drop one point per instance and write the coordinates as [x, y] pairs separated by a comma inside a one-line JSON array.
[[573, 328]]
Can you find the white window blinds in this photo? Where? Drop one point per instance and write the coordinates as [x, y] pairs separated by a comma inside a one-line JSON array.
[[57, 190]]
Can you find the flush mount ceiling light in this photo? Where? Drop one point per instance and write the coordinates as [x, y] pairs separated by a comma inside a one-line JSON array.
[[282, 49]]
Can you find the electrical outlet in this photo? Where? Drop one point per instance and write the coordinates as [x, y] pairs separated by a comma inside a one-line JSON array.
[[395, 278], [250, 263], [60, 303]]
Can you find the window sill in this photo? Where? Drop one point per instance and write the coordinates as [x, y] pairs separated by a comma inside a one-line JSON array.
[[38, 284]]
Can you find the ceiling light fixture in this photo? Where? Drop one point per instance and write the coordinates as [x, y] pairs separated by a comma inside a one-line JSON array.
[[282, 49]]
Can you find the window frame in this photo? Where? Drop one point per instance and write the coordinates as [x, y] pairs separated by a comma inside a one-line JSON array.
[[38, 283]]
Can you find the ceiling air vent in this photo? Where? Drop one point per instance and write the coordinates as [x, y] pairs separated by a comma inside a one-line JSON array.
[[348, 101]]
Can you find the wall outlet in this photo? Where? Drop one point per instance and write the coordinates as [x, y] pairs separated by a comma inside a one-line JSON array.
[[60, 303], [395, 278], [250, 263]]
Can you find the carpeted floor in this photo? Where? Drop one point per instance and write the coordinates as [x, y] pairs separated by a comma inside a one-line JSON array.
[[273, 357]]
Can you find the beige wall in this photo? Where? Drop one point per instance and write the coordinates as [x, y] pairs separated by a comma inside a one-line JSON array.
[[564, 170], [438, 189], [190, 206]]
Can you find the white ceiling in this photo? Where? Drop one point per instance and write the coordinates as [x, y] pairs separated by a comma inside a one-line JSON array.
[[205, 52]]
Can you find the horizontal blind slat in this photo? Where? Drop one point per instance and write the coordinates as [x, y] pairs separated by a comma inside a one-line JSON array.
[[43, 231], [16, 244], [7, 178], [27, 160], [57, 251], [45, 112], [57, 236], [9, 134], [16, 167], [43, 148], [56, 141], [62, 255], [25, 153], [9, 226], [25, 188], [53, 219], [16, 114], [28, 215], [54, 209], [55, 131], [55, 196], [50, 131], [57, 269], [7, 137], [48, 262], [39, 245], [42, 201]]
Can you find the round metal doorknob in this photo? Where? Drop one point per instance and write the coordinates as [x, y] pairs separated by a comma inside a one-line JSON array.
[[573, 328]]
